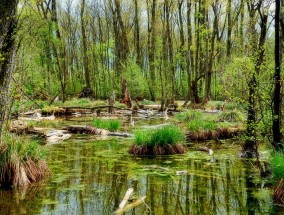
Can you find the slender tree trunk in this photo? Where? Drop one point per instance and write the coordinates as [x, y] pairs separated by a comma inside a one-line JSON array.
[[189, 57], [137, 35], [171, 50], [250, 146], [277, 82], [208, 75], [8, 25], [152, 51], [229, 41], [84, 46]]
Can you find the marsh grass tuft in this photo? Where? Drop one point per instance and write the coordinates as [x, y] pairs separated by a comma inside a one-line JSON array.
[[231, 116], [21, 161], [108, 124], [201, 124], [277, 165], [189, 115], [158, 142]]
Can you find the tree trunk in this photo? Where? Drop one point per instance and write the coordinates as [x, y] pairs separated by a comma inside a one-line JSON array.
[[208, 74], [84, 47], [137, 35], [8, 25], [152, 51], [189, 57], [250, 146], [277, 83], [229, 42]]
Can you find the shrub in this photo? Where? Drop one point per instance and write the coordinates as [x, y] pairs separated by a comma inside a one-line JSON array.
[[109, 124], [21, 161]]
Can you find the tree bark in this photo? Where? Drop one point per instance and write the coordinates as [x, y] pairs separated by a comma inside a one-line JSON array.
[[152, 51], [229, 42], [137, 35], [250, 146], [84, 46], [8, 25], [277, 82]]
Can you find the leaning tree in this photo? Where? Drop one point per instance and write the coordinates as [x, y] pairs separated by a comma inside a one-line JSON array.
[[8, 24]]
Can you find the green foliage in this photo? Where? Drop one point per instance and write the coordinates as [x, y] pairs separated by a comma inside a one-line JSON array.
[[109, 124], [159, 137], [137, 84], [277, 165]]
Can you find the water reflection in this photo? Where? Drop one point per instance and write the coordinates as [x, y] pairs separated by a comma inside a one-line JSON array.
[[92, 178]]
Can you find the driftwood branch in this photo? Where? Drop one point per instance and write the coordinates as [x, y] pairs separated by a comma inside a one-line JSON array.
[[131, 206], [126, 198]]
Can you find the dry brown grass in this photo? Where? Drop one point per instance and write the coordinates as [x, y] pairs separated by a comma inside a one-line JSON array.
[[278, 195], [219, 133]]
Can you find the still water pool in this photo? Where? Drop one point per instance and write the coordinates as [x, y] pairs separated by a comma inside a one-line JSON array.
[[91, 176]]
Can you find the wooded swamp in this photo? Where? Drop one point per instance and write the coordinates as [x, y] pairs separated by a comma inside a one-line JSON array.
[[91, 174]]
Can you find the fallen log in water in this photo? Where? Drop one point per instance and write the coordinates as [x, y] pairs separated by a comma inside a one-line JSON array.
[[126, 198], [120, 134], [84, 129], [131, 206], [50, 135], [155, 126], [63, 111]]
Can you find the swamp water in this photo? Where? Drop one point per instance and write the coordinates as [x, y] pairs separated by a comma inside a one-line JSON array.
[[91, 176]]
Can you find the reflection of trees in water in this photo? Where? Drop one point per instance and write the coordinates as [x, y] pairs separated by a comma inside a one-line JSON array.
[[223, 188], [96, 186], [17, 201]]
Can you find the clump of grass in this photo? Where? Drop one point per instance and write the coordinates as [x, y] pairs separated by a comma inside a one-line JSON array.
[[189, 115], [109, 124], [21, 161], [231, 116], [161, 141], [277, 165], [201, 124]]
